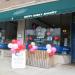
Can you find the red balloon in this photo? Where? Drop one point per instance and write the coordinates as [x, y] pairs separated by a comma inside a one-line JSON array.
[[21, 47], [56, 38], [26, 38], [29, 46], [51, 54], [30, 38], [18, 50], [48, 33], [14, 41]]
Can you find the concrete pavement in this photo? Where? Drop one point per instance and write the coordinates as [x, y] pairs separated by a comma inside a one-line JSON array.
[[5, 69]]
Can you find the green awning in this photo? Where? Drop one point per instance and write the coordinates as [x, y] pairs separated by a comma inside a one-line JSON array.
[[50, 8]]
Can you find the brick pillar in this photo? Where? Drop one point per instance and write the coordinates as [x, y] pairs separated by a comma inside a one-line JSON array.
[[20, 30]]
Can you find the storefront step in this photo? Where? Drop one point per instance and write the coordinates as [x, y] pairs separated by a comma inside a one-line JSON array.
[[62, 59], [5, 53]]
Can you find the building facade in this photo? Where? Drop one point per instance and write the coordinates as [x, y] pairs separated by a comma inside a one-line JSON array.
[[33, 19]]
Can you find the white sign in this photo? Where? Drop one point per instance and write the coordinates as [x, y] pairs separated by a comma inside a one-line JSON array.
[[30, 32], [19, 60], [19, 35]]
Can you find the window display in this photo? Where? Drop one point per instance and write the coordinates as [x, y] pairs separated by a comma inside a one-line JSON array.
[[7, 33], [43, 35]]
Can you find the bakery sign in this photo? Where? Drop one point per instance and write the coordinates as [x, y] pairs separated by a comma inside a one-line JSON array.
[[41, 14]]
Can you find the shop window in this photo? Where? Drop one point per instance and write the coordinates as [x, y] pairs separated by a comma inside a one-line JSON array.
[[56, 35], [8, 31]]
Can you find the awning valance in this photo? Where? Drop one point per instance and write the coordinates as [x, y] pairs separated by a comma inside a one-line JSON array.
[[50, 8]]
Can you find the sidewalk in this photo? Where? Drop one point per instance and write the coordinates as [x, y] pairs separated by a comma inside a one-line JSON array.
[[5, 69]]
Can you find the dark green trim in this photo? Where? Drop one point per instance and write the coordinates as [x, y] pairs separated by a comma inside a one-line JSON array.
[[60, 6]]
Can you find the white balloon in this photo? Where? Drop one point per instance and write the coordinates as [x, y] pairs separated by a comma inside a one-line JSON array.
[[48, 46], [33, 43], [10, 45]]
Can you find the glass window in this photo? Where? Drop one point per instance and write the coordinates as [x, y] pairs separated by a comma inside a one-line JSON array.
[[56, 35]]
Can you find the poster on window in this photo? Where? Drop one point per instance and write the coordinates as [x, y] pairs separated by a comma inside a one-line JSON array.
[[40, 32]]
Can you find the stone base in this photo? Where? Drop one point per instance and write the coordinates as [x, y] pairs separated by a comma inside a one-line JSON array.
[[62, 59], [5, 53]]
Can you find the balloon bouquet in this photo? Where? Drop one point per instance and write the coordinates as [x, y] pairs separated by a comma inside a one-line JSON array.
[[50, 50], [32, 47], [18, 54], [16, 46]]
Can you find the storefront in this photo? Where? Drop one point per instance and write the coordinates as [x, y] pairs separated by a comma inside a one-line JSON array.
[[54, 30], [49, 30], [47, 23], [8, 31]]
